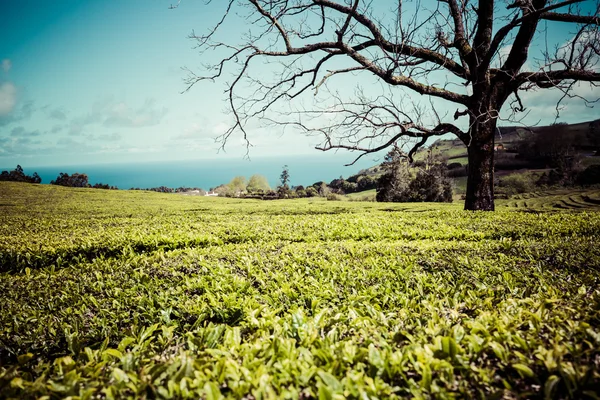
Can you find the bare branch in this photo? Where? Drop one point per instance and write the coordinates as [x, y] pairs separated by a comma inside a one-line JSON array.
[[294, 52], [579, 19]]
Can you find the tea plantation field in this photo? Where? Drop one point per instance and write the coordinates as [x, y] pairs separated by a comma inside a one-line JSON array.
[[119, 294]]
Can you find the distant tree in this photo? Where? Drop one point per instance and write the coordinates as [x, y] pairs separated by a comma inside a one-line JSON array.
[[18, 175], [317, 185], [589, 176], [430, 183], [183, 189], [593, 135], [300, 191], [323, 189], [162, 189], [237, 185], [366, 182], [285, 176], [549, 148], [516, 183], [283, 189], [337, 183], [349, 187], [258, 184], [222, 190], [354, 178], [104, 186], [75, 180], [393, 184], [311, 192]]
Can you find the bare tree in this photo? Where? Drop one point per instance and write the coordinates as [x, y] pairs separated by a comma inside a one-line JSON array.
[[473, 55]]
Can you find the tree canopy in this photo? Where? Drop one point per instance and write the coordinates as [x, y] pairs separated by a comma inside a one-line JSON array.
[[258, 183], [74, 180], [18, 175]]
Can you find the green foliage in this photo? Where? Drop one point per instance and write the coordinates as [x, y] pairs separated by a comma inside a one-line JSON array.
[[285, 176], [311, 192], [237, 185], [589, 176], [128, 294], [283, 190], [517, 183], [76, 180], [258, 184], [333, 197], [18, 175], [430, 183]]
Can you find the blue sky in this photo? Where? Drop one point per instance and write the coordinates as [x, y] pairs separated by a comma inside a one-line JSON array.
[[100, 81]]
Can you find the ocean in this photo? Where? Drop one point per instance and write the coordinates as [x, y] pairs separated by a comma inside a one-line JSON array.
[[208, 174]]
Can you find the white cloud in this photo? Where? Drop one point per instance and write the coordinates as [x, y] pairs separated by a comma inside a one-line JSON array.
[[121, 115], [109, 113], [191, 132], [220, 128], [8, 98], [6, 65], [540, 106]]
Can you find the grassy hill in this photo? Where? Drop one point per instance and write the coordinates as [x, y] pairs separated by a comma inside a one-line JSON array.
[[584, 137], [129, 294]]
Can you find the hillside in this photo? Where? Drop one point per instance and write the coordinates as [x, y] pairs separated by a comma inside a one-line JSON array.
[[520, 150], [584, 137]]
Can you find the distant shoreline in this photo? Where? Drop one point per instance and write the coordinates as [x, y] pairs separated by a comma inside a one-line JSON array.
[[206, 174]]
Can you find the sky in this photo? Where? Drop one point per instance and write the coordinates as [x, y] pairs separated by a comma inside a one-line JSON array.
[[101, 81]]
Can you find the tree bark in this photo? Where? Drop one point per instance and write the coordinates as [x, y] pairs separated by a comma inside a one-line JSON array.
[[480, 180]]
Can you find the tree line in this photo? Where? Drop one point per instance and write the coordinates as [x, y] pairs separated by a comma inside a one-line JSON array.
[[18, 175], [63, 179]]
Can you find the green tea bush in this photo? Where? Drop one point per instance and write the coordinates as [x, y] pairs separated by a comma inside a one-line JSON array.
[[517, 183], [123, 294]]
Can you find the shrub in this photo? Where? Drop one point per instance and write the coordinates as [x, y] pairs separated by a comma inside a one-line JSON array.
[[431, 185], [458, 172], [333, 197], [517, 183], [366, 182], [311, 192], [589, 176]]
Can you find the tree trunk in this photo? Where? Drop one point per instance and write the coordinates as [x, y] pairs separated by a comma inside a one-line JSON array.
[[480, 181]]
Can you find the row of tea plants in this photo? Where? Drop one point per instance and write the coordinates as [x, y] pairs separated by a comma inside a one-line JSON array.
[[145, 295]]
